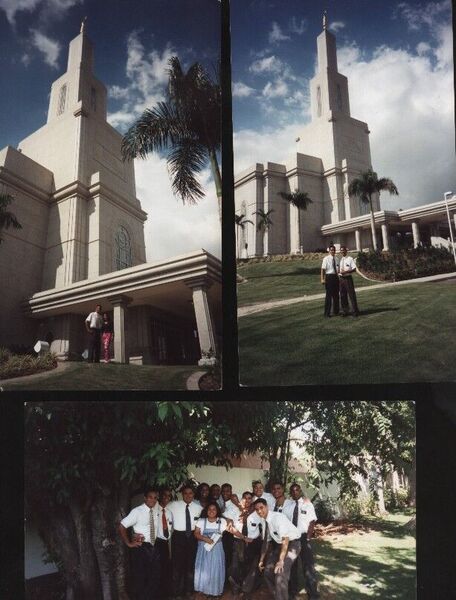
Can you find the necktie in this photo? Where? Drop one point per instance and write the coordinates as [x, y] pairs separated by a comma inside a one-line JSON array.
[[276, 507], [245, 531], [152, 526], [334, 265], [188, 522], [264, 545], [165, 525], [295, 515]]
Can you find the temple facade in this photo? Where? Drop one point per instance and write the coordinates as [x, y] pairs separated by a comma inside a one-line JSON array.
[[82, 240], [331, 151]]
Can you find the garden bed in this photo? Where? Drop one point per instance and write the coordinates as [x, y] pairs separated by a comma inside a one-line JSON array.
[[19, 365]]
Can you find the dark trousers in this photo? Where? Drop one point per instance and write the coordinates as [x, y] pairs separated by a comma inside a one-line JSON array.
[[94, 345], [332, 294], [244, 565], [347, 290], [183, 550], [227, 541], [145, 567], [278, 582], [308, 568], [166, 581]]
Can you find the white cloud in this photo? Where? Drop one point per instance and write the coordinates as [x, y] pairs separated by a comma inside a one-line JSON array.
[[25, 59], [50, 8], [269, 64], [336, 26], [296, 27], [407, 99], [48, 47], [241, 90], [173, 228], [275, 89], [424, 14], [276, 35]]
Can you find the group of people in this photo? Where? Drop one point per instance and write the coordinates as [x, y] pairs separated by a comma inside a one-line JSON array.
[[336, 276], [101, 333], [212, 537]]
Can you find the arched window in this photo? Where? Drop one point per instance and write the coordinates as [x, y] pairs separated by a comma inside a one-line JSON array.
[[123, 249], [62, 99]]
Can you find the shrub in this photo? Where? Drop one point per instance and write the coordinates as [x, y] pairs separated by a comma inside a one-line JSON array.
[[396, 500], [5, 355], [354, 508], [407, 263], [325, 510], [18, 365]]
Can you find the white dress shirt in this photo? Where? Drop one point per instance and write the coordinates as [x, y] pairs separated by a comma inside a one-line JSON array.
[[231, 510], [306, 513], [177, 509], [328, 266], [347, 264], [269, 499], [95, 320], [139, 519], [206, 524], [253, 524], [169, 520], [280, 527]]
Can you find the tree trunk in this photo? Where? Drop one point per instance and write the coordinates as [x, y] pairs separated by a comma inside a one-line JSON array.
[[121, 509], [217, 179], [372, 219], [104, 542], [411, 474], [90, 582]]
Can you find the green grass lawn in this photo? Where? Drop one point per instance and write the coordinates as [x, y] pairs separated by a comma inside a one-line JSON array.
[[376, 564], [404, 334], [278, 280], [83, 376]]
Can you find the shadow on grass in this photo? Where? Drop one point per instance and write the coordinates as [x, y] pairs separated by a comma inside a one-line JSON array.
[[374, 311], [391, 575]]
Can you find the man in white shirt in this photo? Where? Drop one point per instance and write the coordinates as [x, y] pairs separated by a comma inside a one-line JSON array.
[[94, 324], [258, 492], [163, 542], [145, 521], [281, 547], [330, 279], [229, 509], [279, 496], [185, 514], [301, 512], [347, 266], [246, 546]]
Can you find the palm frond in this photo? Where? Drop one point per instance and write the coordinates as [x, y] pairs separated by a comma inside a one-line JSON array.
[[299, 199], [387, 184], [186, 158]]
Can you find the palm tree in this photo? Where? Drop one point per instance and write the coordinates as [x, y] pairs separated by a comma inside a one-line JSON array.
[[241, 222], [7, 218], [300, 200], [264, 221], [364, 187], [187, 124]]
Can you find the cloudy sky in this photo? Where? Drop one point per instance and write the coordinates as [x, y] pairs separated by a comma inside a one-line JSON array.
[[132, 45], [398, 57]]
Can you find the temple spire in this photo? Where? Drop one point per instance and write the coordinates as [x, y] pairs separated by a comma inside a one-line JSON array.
[[83, 23], [325, 20]]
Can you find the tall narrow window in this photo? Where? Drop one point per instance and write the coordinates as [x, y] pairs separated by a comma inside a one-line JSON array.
[[93, 99], [319, 101], [62, 99], [123, 249], [339, 97]]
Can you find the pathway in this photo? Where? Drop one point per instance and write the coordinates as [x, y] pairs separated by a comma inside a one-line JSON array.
[[251, 309]]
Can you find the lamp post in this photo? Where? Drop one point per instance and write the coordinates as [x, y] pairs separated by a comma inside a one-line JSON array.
[[446, 195]]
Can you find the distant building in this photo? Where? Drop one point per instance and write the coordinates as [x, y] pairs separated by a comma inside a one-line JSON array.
[[332, 150], [82, 240]]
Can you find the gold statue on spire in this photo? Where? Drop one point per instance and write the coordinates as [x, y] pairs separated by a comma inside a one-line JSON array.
[[325, 19], [83, 25]]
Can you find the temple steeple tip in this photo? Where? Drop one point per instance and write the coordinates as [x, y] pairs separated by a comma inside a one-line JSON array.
[[83, 23], [325, 20]]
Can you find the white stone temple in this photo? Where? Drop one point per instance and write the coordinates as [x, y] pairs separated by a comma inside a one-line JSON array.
[[82, 240], [331, 151]]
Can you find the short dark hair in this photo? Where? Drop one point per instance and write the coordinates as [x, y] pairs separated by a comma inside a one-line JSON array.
[[199, 488], [344, 247], [150, 488], [260, 501], [277, 483], [214, 485], [247, 492], [256, 482], [203, 514], [225, 485], [186, 486], [294, 484], [332, 246], [164, 489]]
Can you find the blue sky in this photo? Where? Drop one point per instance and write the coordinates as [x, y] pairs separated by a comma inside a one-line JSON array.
[[133, 41], [398, 57]]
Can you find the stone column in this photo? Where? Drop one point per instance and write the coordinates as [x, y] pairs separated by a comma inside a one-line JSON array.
[[204, 323], [454, 219], [416, 234], [385, 237], [358, 239], [119, 304]]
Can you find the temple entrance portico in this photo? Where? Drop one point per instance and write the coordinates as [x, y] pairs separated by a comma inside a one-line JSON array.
[[162, 312]]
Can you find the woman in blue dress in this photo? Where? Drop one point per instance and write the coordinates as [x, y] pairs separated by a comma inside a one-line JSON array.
[[210, 564]]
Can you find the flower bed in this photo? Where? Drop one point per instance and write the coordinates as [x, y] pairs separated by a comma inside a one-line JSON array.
[[18, 365]]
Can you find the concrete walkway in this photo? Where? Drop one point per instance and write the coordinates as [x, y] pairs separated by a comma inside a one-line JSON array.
[[251, 309], [61, 366]]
